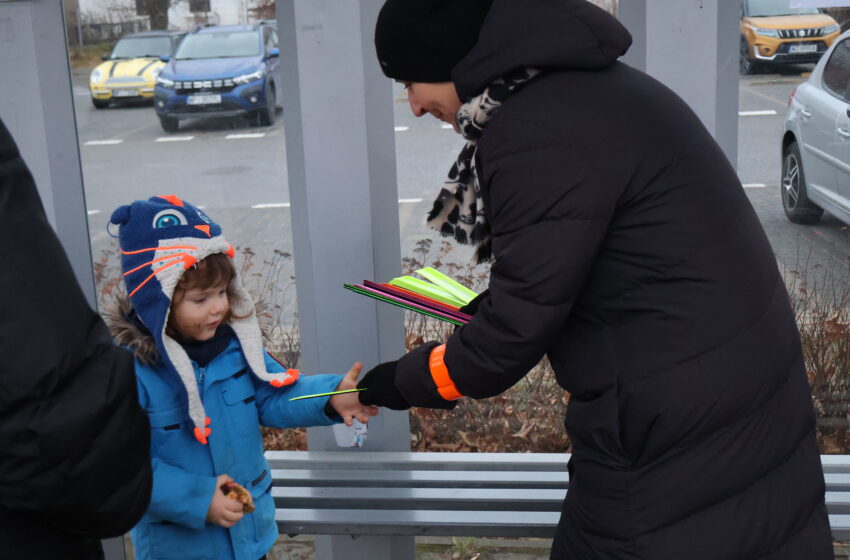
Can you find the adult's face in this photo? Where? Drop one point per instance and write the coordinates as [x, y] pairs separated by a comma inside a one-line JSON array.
[[438, 99]]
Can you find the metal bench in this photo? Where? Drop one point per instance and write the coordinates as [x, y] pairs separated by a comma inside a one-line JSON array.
[[449, 494]]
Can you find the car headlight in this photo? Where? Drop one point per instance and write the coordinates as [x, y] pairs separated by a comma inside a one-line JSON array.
[[164, 82], [96, 75], [245, 78], [155, 73], [830, 29], [767, 32]]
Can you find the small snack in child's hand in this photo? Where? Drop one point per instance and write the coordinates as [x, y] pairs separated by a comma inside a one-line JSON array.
[[236, 491]]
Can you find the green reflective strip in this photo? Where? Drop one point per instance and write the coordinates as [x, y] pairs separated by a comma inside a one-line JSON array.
[[327, 394], [427, 289], [450, 285], [402, 305]]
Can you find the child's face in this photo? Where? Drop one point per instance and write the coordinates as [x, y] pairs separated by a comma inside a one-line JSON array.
[[200, 311]]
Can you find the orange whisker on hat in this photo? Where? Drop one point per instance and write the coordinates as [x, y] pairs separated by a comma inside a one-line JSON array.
[[167, 257], [187, 261], [187, 247]]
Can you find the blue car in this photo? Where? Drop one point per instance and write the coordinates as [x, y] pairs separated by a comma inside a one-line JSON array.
[[221, 71]]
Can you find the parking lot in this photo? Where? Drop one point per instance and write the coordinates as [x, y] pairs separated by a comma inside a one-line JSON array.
[[237, 171]]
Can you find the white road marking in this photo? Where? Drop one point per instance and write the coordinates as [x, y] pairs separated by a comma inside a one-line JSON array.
[[402, 128], [756, 113], [103, 142], [287, 204], [755, 186], [174, 138], [245, 135], [93, 212], [272, 205]]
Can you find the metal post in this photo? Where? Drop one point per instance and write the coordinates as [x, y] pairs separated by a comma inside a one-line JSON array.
[[342, 179], [36, 103], [665, 33]]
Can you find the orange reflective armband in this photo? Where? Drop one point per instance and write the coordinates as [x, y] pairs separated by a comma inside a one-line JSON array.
[[440, 374]]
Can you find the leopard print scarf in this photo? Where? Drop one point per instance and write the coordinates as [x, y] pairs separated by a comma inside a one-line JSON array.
[[459, 209]]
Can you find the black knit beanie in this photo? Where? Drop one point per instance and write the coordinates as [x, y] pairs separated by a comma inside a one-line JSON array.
[[422, 40]]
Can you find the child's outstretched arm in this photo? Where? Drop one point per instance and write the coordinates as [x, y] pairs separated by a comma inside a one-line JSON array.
[[278, 410]]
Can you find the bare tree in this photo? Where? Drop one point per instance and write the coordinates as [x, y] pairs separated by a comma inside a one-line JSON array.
[[156, 10], [263, 9]]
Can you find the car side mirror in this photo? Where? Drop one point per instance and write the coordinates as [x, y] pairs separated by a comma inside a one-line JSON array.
[[104, 57], [274, 52], [164, 58]]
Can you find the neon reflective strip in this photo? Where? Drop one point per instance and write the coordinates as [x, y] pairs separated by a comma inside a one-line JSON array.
[[440, 374], [172, 256], [450, 285], [189, 247], [154, 273], [328, 394]]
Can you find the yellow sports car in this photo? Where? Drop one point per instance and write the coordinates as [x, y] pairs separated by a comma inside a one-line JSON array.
[[129, 72]]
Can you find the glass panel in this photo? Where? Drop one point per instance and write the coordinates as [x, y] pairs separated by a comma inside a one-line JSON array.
[[205, 126], [788, 107], [836, 73]]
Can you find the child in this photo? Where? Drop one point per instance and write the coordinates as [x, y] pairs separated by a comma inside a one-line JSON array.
[[206, 384]]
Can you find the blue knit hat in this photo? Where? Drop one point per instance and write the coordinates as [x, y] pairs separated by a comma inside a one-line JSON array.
[[160, 239]]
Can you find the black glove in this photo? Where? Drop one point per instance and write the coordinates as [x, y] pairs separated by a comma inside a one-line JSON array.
[[379, 383], [471, 307]]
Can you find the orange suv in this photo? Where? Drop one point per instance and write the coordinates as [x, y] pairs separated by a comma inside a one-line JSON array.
[[773, 34]]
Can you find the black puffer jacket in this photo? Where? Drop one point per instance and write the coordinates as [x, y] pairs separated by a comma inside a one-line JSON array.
[[74, 442], [626, 250]]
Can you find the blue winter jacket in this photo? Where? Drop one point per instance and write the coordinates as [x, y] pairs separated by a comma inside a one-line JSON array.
[[185, 471]]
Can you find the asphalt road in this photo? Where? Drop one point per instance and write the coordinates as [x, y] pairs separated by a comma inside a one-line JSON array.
[[238, 173]]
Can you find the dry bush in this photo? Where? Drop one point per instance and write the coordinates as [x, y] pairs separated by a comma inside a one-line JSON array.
[[528, 417], [821, 302]]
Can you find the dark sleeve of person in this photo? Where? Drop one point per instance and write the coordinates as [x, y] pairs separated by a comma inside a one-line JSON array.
[[548, 215], [74, 442]]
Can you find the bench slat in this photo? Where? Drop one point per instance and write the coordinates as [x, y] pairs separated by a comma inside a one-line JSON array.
[[412, 523], [388, 460], [420, 498], [419, 479]]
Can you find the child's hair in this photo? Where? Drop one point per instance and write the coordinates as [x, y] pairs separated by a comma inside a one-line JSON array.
[[214, 270]]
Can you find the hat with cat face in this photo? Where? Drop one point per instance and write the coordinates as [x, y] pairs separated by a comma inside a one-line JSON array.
[[160, 239]]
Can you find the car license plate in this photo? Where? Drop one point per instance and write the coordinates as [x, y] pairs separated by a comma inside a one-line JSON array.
[[125, 93], [798, 49], [204, 99]]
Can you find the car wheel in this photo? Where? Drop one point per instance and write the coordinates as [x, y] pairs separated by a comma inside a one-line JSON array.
[[746, 65], [265, 116], [100, 103], [798, 208], [169, 124]]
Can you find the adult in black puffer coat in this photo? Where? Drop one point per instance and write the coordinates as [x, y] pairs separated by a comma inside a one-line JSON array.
[[626, 251], [75, 461]]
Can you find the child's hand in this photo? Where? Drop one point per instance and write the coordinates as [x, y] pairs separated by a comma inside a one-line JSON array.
[[348, 405], [223, 511]]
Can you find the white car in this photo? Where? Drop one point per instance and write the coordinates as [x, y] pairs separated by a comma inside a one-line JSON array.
[[816, 143]]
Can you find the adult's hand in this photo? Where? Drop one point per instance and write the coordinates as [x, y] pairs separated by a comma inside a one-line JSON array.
[[379, 383]]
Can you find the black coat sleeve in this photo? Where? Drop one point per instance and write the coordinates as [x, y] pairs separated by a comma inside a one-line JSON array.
[[74, 442], [549, 214]]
